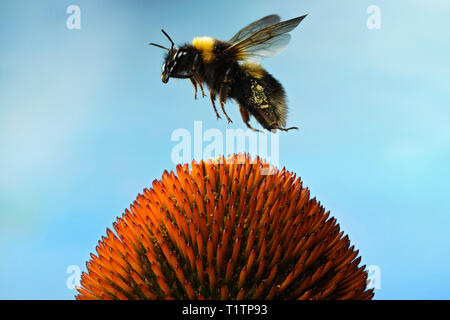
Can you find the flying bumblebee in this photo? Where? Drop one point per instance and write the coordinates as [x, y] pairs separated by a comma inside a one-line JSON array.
[[230, 69]]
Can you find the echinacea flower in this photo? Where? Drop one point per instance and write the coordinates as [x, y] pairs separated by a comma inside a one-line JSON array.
[[225, 230]]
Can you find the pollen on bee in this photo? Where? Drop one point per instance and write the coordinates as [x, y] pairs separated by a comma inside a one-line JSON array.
[[206, 46]]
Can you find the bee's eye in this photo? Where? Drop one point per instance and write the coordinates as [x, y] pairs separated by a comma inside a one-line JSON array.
[[171, 65], [178, 53]]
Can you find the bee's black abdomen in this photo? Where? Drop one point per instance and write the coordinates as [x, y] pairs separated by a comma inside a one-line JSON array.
[[262, 96]]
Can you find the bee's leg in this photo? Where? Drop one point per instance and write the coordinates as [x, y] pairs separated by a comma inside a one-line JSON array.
[[287, 129], [246, 119], [193, 80], [194, 84], [223, 95], [274, 126], [197, 79], [212, 96]]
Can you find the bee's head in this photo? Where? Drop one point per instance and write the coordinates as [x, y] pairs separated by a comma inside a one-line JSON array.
[[169, 65], [170, 59]]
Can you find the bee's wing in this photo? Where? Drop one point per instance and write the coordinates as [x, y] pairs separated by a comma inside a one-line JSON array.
[[254, 27], [266, 42]]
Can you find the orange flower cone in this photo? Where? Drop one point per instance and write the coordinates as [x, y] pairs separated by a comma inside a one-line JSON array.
[[225, 230]]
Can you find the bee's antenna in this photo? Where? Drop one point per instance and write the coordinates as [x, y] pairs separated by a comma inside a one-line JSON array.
[[168, 38], [159, 46]]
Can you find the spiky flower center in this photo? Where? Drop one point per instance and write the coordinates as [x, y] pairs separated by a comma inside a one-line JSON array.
[[225, 230]]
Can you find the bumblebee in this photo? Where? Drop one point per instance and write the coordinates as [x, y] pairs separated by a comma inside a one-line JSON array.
[[230, 70]]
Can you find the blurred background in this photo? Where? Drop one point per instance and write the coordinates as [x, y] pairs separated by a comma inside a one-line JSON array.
[[86, 124]]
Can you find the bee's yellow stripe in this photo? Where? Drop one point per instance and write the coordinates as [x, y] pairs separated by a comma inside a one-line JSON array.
[[206, 46], [254, 69]]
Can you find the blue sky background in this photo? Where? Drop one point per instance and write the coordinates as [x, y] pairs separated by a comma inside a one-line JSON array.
[[85, 124]]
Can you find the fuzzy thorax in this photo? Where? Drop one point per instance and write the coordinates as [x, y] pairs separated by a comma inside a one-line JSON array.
[[206, 46]]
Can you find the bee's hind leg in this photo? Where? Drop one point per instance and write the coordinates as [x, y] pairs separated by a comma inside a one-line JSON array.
[[246, 119], [212, 96], [223, 95], [284, 129], [287, 129]]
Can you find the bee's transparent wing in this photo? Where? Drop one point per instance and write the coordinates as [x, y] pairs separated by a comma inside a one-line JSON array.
[[266, 42], [266, 49], [254, 27]]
